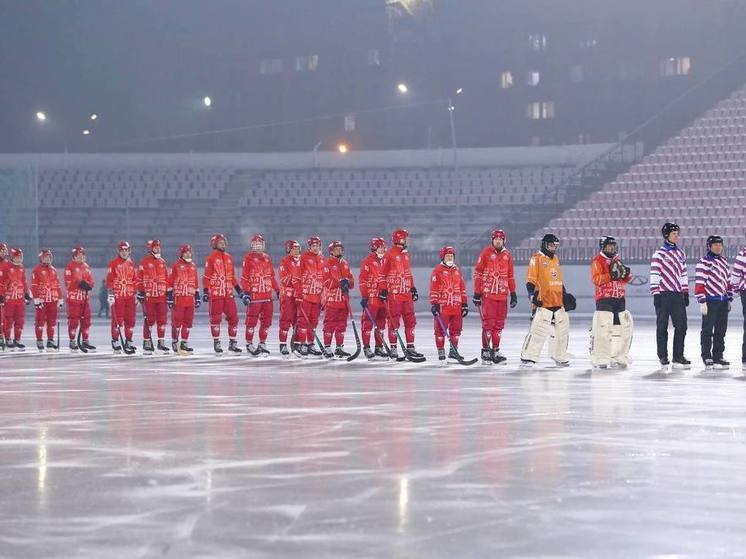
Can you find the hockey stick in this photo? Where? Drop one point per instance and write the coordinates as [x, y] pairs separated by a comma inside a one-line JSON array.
[[377, 329], [459, 357], [316, 337], [2, 327], [80, 325], [401, 342], [358, 347]]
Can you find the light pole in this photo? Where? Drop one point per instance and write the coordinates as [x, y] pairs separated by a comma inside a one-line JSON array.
[[316, 155], [452, 121]]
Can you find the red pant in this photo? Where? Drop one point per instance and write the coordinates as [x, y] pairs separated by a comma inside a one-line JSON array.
[[156, 312], [402, 311], [379, 315], [182, 319], [78, 315], [13, 319], [123, 314], [261, 313], [308, 322], [46, 316], [454, 323], [220, 306], [335, 323], [493, 321], [288, 317]]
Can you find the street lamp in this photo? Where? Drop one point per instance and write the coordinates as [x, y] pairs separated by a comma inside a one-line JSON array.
[[207, 101], [41, 116], [94, 116], [402, 88], [342, 148]]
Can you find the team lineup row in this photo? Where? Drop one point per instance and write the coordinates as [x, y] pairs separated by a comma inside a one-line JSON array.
[[310, 284]]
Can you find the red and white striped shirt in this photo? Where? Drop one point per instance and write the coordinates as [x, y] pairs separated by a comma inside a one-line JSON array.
[[738, 276], [668, 270], [712, 282]]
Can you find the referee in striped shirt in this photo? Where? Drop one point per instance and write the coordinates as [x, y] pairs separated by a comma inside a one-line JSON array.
[[669, 286], [714, 294]]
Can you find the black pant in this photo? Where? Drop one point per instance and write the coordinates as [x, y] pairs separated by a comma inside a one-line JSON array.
[[613, 305], [743, 346], [672, 305], [716, 319]]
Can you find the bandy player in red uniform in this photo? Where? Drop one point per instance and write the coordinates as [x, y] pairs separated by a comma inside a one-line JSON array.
[[309, 289], [79, 283], [398, 291], [152, 284], [121, 280], [183, 297], [218, 282], [47, 292], [369, 278], [259, 281], [447, 302], [289, 277], [493, 281], [14, 296], [338, 280]]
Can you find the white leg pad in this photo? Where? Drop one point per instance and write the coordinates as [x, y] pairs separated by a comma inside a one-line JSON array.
[[601, 337], [541, 328]]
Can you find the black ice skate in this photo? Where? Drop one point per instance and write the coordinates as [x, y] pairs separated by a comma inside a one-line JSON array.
[[284, 351], [369, 355], [328, 352], [233, 347], [340, 353], [262, 350], [86, 345], [73, 346], [163, 348], [129, 348], [216, 347], [51, 346], [184, 349], [681, 363], [498, 358], [40, 345], [116, 347], [486, 356], [380, 353], [18, 346], [147, 347], [721, 364]]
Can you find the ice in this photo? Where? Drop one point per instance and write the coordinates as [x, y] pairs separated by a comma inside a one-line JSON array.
[[205, 456]]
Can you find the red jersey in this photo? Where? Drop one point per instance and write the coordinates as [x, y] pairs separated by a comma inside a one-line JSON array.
[[370, 277], [3, 266], [335, 269], [13, 282], [601, 277], [494, 274], [152, 278], [121, 277], [311, 276], [75, 272], [184, 282], [45, 284], [289, 275], [447, 289], [258, 275], [219, 277], [397, 274]]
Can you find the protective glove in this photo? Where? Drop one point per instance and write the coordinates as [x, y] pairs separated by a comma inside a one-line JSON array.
[[476, 299], [435, 309], [464, 309], [513, 300]]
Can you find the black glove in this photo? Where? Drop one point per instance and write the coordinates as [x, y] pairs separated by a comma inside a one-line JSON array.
[[364, 302], [84, 285], [38, 303], [197, 300], [435, 309], [205, 295], [627, 272], [415, 296], [344, 285], [464, 309], [170, 299], [477, 300], [383, 295], [657, 301], [686, 298], [27, 298], [245, 297], [140, 296], [513, 300]]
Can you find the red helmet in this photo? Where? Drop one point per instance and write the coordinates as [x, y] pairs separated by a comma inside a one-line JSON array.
[[312, 240], [335, 244], [44, 252], [183, 249], [446, 250], [398, 236], [3, 246], [152, 244], [123, 245], [498, 234], [77, 251], [256, 240], [290, 245], [215, 238], [376, 243], [16, 252]]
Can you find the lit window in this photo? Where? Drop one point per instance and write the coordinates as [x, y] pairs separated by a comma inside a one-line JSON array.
[[547, 109], [675, 66], [270, 66], [532, 78], [537, 42], [306, 63], [540, 110], [506, 80], [533, 111], [350, 123], [374, 57]]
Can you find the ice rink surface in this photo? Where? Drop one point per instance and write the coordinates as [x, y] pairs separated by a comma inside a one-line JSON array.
[[113, 456]]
